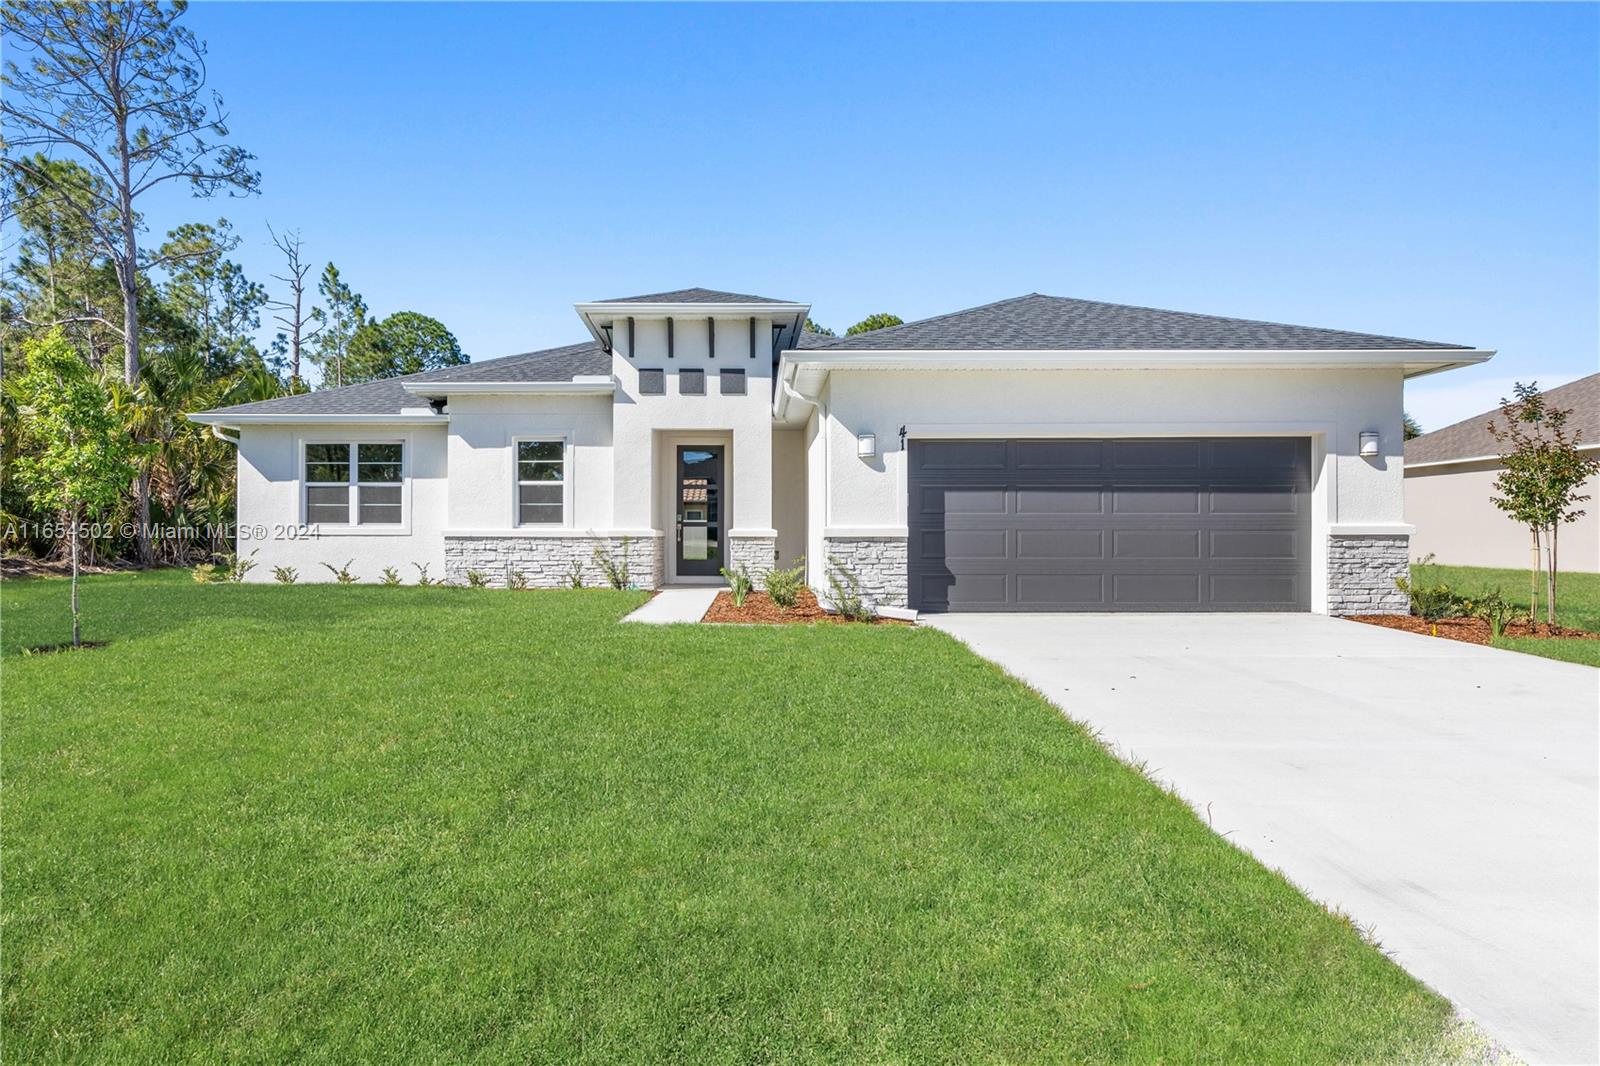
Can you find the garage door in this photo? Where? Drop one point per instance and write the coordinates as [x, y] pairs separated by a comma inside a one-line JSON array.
[[1214, 524]]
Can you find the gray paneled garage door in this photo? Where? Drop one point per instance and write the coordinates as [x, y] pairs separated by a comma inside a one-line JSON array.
[[1214, 524]]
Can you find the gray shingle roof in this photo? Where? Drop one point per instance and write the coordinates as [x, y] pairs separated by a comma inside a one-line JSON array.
[[1470, 437], [694, 296], [1045, 323], [814, 340], [388, 397]]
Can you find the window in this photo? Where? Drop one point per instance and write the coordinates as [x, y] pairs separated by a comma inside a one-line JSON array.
[[652, 382], [541, 482], [732, 382], [691, 382], [354, 482]]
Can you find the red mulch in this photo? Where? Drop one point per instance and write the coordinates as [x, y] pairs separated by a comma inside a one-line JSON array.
[[1471, 630], [759, 609]]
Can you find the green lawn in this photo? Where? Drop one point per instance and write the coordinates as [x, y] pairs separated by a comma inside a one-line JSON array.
[[1577, 605], [350, 824]]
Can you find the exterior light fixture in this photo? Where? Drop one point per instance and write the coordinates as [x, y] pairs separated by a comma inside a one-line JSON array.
[[1369, 444], [867, 445]]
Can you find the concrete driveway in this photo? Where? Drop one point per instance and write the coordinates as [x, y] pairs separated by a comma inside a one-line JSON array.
[[1443, 794]]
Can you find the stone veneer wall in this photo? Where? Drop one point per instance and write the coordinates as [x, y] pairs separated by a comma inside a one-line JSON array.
[[759, 554], [880, 563], [547, 561], [1362, 571]]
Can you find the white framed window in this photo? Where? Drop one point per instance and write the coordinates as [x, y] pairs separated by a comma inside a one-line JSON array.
[[542, 482], [354, 483]]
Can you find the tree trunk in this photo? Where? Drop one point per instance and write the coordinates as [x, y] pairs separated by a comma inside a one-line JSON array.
[[1533, 579], [1550, 579], [72, 534]]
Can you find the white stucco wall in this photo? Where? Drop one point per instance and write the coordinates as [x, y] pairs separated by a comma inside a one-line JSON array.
[[482, 460], [1458, 525], [789, 493], [647, 429], [1350, 494], [272, 516]]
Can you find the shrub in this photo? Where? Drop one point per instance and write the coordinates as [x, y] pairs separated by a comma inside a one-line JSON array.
[[237, 567], [205, 573], [784, 585], [1493, 608], [422, 576], [285, 575], [575, 575], [616, 570], [516, 579], [739, 583], [391, 577], [342, 574], [1431, 602], [844, 589], [477, 579]]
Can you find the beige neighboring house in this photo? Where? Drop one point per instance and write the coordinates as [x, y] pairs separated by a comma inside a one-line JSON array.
[[1450, 478]]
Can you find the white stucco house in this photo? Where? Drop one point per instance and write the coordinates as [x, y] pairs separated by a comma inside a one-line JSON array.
[[1038, 453], [1450, 475]]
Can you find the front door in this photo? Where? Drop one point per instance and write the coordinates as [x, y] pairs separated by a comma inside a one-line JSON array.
[[700, 539]]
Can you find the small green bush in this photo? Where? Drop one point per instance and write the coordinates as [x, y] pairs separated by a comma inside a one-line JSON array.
[[391, 577], [342, 574], [844, 589], [206, 573], [575, 575], [616, 569], [784, 585], [422, 576], [477, 579], [285, 575], [1431, 602], [1493, 608], [516, 579], [739, 583]]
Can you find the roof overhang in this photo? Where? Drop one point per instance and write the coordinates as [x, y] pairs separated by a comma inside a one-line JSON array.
[[222, 418], [803, 371], [596, 385], [791, 317], [1466, 460]]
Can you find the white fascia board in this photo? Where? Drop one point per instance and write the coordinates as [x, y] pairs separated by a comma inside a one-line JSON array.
[[1414, 361], [245, 419], [582, 386]]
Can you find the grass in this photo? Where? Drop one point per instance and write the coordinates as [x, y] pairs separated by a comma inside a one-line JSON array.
[[1577, 605], [345, 824]]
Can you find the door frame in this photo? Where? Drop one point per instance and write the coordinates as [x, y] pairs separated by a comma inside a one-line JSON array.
[[666, 443], [718, 559]]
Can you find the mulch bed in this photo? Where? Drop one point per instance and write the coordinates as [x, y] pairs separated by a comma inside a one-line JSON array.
[[1471, 630], [759, 609]]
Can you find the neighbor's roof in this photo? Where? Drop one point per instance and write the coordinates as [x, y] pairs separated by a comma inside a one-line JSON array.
[[695, 296], [1470, 439], [389, 396], [1056, 323]]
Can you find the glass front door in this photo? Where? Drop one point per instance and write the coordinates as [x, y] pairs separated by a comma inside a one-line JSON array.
[[700, 511]]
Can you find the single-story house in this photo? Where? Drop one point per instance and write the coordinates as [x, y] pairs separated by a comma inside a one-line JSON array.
[[1035, 454], [1449, 484]]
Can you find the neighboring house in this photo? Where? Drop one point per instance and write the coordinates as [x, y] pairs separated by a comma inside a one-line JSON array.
[[1450, 481], [1034, 454]]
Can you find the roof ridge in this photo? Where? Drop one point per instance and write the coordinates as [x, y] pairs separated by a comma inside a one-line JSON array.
[[948, 314]]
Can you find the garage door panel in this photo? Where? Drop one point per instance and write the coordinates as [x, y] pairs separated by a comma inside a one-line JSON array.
[[1111, 525]]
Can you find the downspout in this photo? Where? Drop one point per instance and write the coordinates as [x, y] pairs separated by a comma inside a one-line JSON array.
[[216, 431]]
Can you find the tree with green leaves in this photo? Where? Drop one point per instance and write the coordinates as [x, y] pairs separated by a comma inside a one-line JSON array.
[[404, 343], [340, 318], [1410, 428], [872, 322], [211, 294], [818, 329], [1542, 473], [85, 459]]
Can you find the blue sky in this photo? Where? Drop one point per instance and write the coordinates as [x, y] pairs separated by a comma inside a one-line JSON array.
[[1430, 171]]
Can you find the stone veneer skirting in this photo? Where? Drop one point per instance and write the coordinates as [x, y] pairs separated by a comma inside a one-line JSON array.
[[880, 563], [1362, 569], [757, 554], [546, 562]]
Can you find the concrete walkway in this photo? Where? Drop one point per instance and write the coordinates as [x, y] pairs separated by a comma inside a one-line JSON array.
[[675, 605], [1441, 793]]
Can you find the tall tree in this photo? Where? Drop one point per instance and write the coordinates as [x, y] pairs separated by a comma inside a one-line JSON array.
[[404, 343], [343, 313], [872, 322], [817, 328], [1542, 471], [85, 459], [1410, 428], [211, 294], [119, 86], [293, 313]]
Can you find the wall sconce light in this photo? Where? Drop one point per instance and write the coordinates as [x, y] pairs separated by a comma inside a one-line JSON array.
[[1369, 444], [867, 445]]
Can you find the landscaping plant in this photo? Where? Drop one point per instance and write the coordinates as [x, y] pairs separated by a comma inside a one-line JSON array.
[[615, 569], [739, 583], [285, 575], [516, 579], [477, 579], [844, 589], [1493, 608], [1431, 602], [784, 585], [423, 579], [342, 574], [1543, 471], [237, 568], [575, 575], [391, 577]]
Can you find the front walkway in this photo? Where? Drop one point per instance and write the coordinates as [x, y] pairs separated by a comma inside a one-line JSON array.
[[675, 605], [1442, 794]]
